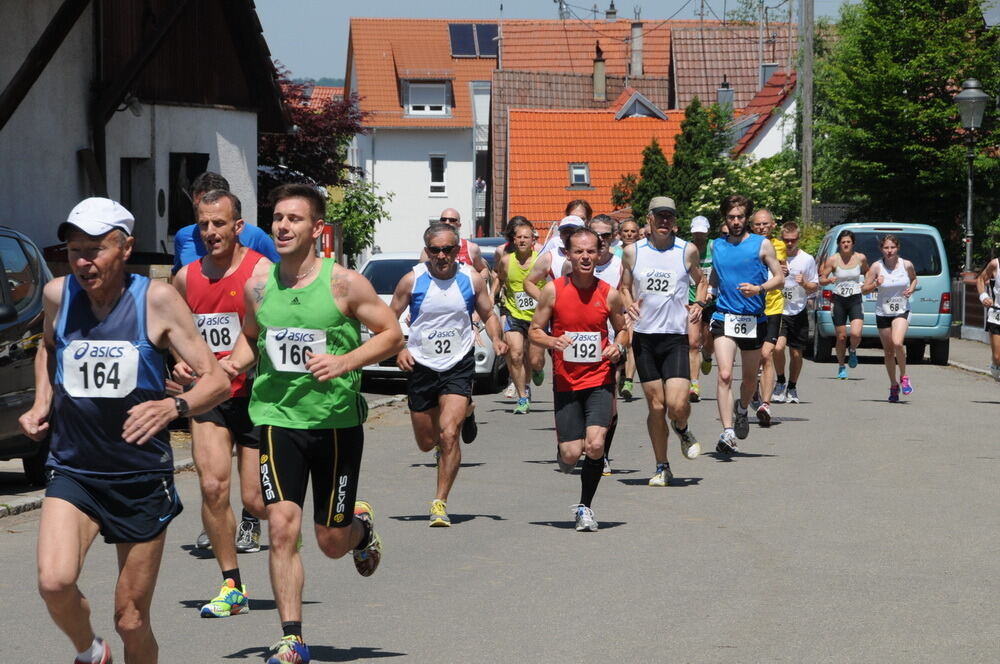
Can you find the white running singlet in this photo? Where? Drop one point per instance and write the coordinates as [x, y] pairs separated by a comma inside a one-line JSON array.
[[660, 284], [441, 317]]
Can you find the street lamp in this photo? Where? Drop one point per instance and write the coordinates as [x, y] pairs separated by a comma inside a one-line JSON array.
[[971, 102]]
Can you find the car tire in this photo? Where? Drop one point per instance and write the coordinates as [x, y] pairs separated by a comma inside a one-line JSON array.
[[822, 348], [939, 351], [34, 465], [915, 351]]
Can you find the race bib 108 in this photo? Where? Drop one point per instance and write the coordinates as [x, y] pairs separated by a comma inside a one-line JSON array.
[[289, 348], [218, 330], [586, 347], [100, 369], [741, 327], [441, 343]]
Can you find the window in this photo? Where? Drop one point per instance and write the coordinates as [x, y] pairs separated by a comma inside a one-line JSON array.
[[22, 272], [438, 168], [184, 168], [428, 99], [579, 175]]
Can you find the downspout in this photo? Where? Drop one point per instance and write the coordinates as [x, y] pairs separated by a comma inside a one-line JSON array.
[[96, 118], [374, 132]]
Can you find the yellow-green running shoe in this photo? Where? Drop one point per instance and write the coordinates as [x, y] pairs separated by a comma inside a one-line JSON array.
[[366, 559], [289, 650], [538, 377], [706, 365], [439, 514], [230, 602]]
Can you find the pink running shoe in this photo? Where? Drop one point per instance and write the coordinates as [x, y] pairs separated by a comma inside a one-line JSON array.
[[904, 383]]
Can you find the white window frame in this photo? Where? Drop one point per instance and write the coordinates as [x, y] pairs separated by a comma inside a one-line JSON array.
[[428, 109], [574, 169], [437, 189]]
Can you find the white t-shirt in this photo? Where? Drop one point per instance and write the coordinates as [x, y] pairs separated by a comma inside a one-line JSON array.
[[795, 295]]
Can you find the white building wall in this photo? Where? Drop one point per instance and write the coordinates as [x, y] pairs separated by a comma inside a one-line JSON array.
[[398, 161], [778, 133]]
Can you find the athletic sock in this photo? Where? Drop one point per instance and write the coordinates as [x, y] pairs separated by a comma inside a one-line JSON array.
[[731, 431], [590, 476], [791, 385], [609, 436], [233, 574], [781, 378], [292, 628], [91, 654], [249, 517]]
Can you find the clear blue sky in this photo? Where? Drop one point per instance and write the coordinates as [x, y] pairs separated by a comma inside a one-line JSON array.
[[310, 36]]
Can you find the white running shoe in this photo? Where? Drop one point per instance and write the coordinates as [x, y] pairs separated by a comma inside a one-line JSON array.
[[510, 392], [793, 396], [689, 444], [778, 396], [585, 522], [662, 476]]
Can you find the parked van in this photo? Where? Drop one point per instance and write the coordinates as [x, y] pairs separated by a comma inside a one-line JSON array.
[[930, 316]]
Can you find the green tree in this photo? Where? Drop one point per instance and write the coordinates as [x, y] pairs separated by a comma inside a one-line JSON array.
[[887, 128], [623, 190], [699, 154], [654, 180], [357, 212]]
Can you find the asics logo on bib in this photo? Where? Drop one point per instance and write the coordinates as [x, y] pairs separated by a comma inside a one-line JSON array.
[[283, 334], [103, 350], [442, 334], [265, 479], [341, 492], [218, 319]]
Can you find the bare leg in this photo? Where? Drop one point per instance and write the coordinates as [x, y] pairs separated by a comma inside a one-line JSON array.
[[795, 365], [889, 355], [138, 567], [656, 417], [248, 461], [751, 360], [767, 376], [287, 574], [899, 328], [516, 361], [841, 343], [857, 325], [725, 356], [995, 348], [212, 448]]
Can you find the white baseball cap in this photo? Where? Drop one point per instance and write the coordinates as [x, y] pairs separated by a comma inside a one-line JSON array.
[[571, 221], [699, 224], [96, 217]]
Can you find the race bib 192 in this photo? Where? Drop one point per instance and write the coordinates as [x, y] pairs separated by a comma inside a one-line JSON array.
[[742, 327], [524, 301], [662, 282], [218, 330], [894, 305], [847, 288], [441, 343], [586, 347], [289, 348], [100, 369]]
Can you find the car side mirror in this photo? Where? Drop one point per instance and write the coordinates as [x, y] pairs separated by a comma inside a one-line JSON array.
[[8, 314]]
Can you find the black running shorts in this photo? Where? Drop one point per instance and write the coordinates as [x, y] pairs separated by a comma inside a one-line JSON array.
[[718, 329], [795, 329], [885, 322], [847, 308], [575, 411], [332, 457], [661, 356], [426, 385], [234, 416], [773, 329], [128, 509]]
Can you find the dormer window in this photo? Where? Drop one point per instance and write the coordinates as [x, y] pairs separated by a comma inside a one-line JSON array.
[[428, 99], [579, 175]]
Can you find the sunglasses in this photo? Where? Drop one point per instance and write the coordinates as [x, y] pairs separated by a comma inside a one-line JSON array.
[[447, 249], [448, 220], [605, 236]]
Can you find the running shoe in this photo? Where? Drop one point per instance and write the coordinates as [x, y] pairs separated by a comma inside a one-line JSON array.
[[202, 542], [585, 522], [439, 514], [662, 476], [694, 394], [792, 396], [893, 393], [842, 372], [538, 377], [510, 392], [904, 383], [522, 407], [231, 601], [289, 650], [742, 421], [366, 559], [566, 468], [778, 395], [764, 415], [626, 390], [755, 400], [995, 372], [706, 365], [248, 537], [727, 444], [852, 358], [607, 468], [690, 446], [469, 428], [105, 654]]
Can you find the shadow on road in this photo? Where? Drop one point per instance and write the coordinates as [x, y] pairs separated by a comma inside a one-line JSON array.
[[570, 525], [322, 653], [726, 458], [255, 604], [675, 482], [455, 518], [433, 464]]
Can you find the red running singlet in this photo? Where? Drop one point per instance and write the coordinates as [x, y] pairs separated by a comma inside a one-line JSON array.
[[577, 310], [463, 254]]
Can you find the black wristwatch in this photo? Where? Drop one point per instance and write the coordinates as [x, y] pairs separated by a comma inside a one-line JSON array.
[[700, 304], [182, 407]]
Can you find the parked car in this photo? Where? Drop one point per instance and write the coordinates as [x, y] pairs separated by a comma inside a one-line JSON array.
[[384, 271], [489, 246], [23, 274], [930, 316]]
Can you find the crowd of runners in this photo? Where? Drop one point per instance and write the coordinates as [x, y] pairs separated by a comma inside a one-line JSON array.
[[264, 340]]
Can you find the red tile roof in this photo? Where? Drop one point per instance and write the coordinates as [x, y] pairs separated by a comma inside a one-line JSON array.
[[764, 104], [544, 142], [382, 51], [321, 94]]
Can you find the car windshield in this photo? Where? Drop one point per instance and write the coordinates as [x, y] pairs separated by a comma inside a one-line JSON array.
[[384, 275], [918, 248]]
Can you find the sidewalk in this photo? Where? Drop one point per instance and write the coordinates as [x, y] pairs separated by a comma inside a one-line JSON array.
[[18, 497]]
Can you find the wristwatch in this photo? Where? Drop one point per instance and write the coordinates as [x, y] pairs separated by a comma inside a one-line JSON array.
[[182, 407], [621, 349]]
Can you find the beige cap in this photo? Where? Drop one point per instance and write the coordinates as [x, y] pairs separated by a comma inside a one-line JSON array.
[[661, 204]]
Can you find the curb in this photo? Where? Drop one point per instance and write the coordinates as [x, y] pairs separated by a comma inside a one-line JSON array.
[[970, 369], [27, 503]]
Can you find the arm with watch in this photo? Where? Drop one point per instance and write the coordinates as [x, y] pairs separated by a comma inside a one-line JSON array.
[[770, 260]]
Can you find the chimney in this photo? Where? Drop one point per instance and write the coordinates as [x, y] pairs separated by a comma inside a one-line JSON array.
[[636, 64], [600, 80], [725, 94], [611, 14]]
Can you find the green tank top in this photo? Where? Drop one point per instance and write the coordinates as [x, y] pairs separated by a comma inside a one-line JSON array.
[[519, 304], [706, 268], [292, 321]]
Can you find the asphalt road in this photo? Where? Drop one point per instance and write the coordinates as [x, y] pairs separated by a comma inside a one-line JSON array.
[[852, 530]]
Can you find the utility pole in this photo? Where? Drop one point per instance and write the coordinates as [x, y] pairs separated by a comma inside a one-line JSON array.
[[806, 99], [760, 45]]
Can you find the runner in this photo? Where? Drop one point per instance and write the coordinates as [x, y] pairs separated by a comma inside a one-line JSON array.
[[629, 232], [740, 265], [213, 288], [442, 295], [699, 340], [989, 295], [549, 265], [575, 208], [523, 358], [655, 281], [763, 223], [302, 330], [845, 271], [800, 282], [578, 307], [99, 379], [895, 280]]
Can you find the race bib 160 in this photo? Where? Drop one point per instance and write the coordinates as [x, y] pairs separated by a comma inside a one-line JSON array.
[[289, 348]]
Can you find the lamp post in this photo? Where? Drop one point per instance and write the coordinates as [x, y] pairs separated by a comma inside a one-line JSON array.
[[971, 102]]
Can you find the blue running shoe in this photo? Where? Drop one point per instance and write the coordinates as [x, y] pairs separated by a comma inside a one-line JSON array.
[[842, 372], [852, 358], [231, 601]]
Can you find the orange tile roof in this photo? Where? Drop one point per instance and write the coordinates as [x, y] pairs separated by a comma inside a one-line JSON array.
[[382, 51], [623, 98], [542, 144], [764, 103], [321, 94]]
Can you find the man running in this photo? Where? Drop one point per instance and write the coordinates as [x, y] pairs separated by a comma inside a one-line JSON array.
[[740, 264], [657, 273], [802, 280], [763, 224], [302, 331], [111, 468], [700, 341], [441, 295], [579, 307], [213, 289]]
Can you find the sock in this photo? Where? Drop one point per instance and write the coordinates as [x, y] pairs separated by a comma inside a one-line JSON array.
[[740, 408], [249, 517], [781, 378], [590, 476], [730, 431], [791, 385], [663, 466], [93, 653], [609, 436], [292, 628], [233, 574], [367, 537]]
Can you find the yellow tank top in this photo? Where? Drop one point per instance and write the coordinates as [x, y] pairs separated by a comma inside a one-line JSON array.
[[775, 302], [518, 303]]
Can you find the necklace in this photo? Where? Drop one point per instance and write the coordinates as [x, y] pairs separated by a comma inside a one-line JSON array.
[[307, 272]]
